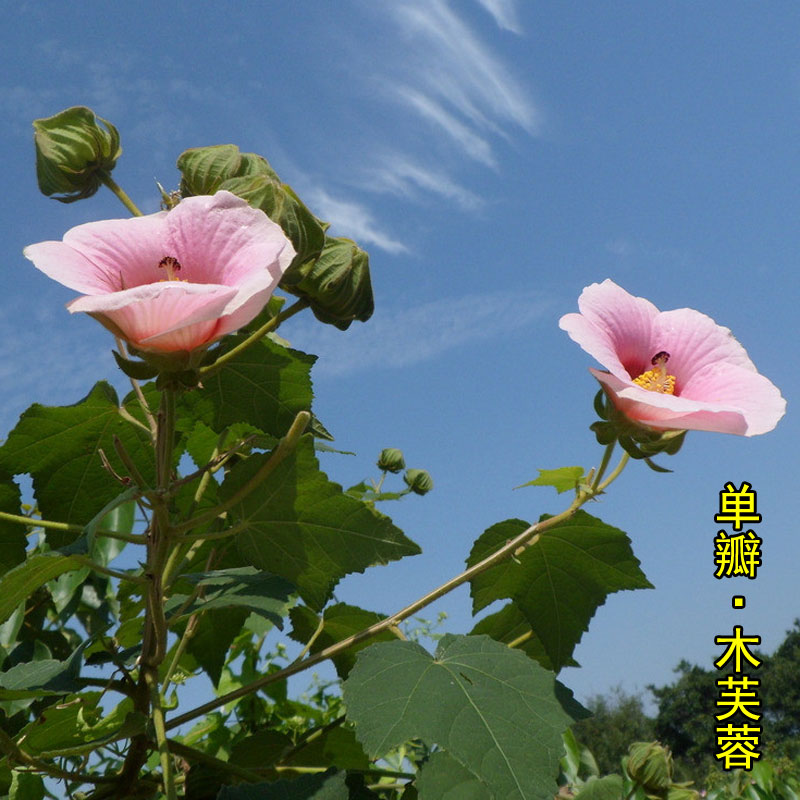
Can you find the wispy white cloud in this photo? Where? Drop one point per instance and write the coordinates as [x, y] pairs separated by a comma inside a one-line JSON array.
[[453, 63], [504, 13], [474, 145], [396, 338], [398, 174], [353, 220]]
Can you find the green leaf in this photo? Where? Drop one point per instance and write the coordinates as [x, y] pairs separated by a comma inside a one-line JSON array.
[[76, 726], [509, 625], [58, 447], [214, 634], [326, 786], [22, 581], [13, 536], [339, 622], [264, 387], [242, 587], [563, 479], [26, 786], [559, 581], [38, 678], [301, 526], [260, 750], [491, 708], [337, 747], [443, 778], [606, 788]]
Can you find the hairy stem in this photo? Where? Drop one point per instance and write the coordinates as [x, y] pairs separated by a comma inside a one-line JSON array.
[[118, 191]]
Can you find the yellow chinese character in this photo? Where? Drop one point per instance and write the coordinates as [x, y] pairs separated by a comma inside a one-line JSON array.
[[737, 746], [737, 506], [738, 700], [737, 646], [737, 555]]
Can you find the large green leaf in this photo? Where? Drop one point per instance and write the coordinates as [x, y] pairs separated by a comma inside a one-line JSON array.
[[325, 786], [491, 708], [301, 526], [13, 536], [559, 581], [264, 387], [338, 622], [59, 447], [240, 587], [443, 778]]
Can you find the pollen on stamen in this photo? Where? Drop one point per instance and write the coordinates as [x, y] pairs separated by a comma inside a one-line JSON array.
[[657, 379]]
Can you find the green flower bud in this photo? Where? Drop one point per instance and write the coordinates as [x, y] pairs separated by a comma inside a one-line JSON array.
[[650, 765], [418, 480], [74, 153], [337, 283], [391, 460]]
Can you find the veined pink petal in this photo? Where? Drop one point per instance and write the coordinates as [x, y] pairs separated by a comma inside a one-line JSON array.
[[717, 387], [218, 239], [174, 280], [148, 313]]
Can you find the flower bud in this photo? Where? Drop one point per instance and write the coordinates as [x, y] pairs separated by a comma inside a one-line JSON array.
[[650, 765], [391, 460], [74, 153], [337, 283], [418, 480]]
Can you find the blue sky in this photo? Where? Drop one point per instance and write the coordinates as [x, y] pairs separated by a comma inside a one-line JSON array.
[[494, 157]]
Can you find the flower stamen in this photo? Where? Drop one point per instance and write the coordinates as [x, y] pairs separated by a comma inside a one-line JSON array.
[[172, 266], [657, 380]]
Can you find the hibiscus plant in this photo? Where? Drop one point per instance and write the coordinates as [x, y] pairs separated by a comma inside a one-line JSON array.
[[172, 530]]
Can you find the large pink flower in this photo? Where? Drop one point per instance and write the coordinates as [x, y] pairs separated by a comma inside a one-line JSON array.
[[175, 280], [672, 369]]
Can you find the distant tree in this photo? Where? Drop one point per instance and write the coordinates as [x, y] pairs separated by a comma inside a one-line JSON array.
[[617, 720]]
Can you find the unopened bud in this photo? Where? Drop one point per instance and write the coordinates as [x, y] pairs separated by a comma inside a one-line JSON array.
[[74, 153], [650, 765], [391, 460], [418, 480]]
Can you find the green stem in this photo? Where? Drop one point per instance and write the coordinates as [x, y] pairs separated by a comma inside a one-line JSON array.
[[284, 447], [165, 757], [69, 528], [603, 465], [615, 474], [121, 195], [212, 369]]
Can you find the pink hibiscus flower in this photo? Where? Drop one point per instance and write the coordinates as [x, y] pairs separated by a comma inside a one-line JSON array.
[[175, 280], [671, 370]]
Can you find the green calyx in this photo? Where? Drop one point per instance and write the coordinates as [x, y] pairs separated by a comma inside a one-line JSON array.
[[74, 153], [639, 441]]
